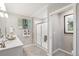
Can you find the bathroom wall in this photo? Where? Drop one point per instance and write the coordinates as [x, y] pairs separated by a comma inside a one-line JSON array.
[[12, 20], [68, 42], [68, 38]]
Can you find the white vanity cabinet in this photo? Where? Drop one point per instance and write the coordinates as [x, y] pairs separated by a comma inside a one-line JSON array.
[[13, 48]]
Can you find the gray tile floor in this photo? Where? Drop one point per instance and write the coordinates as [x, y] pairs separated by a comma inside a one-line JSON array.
[[34, 51]]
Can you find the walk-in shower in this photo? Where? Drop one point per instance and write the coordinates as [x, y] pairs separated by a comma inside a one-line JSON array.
[[42, 34]]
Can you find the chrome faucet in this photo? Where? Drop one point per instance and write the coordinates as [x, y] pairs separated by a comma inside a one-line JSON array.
[[2, 44]]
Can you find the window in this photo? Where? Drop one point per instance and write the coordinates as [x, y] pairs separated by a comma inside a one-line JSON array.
[[68, 23]]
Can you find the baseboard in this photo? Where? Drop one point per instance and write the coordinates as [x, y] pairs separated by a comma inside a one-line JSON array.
[[50, 54], [62, 51], [55, 51], [65, 51]]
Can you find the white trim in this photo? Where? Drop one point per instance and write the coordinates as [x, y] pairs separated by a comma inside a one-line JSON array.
[[62, 51], [55, 51], [66, 52], [74, 37], [61, 9]]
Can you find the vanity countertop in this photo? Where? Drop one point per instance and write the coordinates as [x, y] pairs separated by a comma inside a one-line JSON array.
[[12, 44]]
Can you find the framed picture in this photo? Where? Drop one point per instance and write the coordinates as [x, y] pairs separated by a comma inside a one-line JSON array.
[[68, 23]]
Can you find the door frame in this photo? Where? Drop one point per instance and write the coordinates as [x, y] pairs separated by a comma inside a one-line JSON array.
[[73, 5]]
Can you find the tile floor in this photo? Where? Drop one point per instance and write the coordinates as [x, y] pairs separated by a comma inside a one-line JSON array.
[[34, 51]]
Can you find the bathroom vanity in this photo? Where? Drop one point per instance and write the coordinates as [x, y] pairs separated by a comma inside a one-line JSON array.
[[12, 48]]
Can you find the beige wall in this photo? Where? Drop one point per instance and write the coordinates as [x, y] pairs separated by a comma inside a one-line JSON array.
[[68, 38], [55, 32], [68, 41]]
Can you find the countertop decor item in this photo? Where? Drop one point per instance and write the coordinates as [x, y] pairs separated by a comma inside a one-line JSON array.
[[11, 36]]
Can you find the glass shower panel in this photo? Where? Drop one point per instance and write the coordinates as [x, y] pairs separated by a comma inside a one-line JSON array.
[[39, 34], [44, 35]]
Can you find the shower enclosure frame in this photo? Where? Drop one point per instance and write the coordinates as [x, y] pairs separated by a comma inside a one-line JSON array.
[[41, 23]]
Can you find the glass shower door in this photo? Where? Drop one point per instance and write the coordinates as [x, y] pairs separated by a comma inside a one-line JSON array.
[[39, 34], [44, 35]]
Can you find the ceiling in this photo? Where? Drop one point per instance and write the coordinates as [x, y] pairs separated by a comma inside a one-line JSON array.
[[29, 9], [26, 9], [56, 6]]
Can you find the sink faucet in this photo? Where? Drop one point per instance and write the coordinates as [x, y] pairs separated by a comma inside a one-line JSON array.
[[2, 44]]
